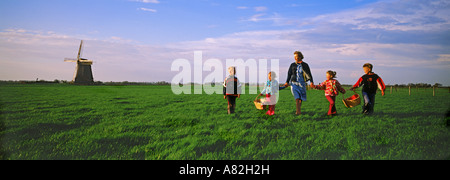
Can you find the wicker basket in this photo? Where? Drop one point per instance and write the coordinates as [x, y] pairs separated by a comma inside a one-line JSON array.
[[352, 101], [258, 104]]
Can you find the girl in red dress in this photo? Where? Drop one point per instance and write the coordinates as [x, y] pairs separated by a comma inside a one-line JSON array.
[[332, 88]]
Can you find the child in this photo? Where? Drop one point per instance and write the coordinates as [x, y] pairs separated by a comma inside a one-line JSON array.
[[370, 81], [231, 89], [271, 92], [332, 88]]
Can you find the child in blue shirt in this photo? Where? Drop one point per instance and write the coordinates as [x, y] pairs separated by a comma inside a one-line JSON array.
[[270, 91]]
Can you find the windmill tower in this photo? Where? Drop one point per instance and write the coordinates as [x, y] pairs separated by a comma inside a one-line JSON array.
[[83, 72]]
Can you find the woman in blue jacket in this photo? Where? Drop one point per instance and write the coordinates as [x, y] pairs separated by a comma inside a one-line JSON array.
[[298, 74]]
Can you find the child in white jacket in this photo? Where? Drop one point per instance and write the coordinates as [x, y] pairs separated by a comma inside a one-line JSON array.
[[270, 91]]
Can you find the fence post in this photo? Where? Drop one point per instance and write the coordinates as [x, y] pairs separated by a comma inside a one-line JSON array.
[[391, 89], [434, 91], [410, 90]]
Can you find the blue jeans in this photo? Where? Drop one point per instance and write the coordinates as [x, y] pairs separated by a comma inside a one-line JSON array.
[[369, 102]]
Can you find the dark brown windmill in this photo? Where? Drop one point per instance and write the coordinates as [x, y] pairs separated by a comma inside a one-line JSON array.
[[83, 72]]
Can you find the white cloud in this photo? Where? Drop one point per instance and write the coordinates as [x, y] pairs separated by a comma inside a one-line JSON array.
[[275, 18], [27, 55], [341, 41], [147, 1], [389, 59], [148, 10], [33, 54], [401, 15], [257, 8], [261, 8], [444, 58], [256, 18]]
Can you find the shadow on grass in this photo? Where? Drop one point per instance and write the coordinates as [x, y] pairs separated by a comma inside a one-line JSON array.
[[41, 130], [48, 129], [116, 147], [408, 115], [217, 146]]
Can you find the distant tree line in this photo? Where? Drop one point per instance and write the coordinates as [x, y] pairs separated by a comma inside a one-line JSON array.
[[124, 83], [419, 85], [111, 83], [164, 83]]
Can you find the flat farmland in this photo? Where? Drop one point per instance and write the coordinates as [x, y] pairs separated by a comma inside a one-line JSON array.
[[58, 121]]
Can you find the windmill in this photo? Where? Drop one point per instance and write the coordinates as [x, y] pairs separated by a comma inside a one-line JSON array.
[[83, 72]]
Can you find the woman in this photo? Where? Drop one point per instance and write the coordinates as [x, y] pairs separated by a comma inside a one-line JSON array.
[[298, 74]]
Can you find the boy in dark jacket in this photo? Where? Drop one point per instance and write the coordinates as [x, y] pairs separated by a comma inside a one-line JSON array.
[[370, 82], [231, 89]]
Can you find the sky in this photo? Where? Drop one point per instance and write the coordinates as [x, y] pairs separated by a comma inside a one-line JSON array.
[[407, 41]]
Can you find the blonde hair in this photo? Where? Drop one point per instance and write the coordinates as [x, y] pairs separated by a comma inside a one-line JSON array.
[[232, 68]]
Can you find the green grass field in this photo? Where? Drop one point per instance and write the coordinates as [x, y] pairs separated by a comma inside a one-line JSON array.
[[149, 122]]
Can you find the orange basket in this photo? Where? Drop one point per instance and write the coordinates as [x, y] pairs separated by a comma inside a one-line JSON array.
[[352, 101]]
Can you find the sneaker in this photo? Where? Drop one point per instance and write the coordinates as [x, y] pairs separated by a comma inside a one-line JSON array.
[[364, 112], [367, 113]]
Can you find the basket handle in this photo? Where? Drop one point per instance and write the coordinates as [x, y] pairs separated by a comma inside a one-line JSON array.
[[343, 97], [257, 97]]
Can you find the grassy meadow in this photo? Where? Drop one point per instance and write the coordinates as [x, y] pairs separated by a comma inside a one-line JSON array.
[[58, 121]]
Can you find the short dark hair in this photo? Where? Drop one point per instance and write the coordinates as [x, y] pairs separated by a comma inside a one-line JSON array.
[[299, 54], [368, 65]]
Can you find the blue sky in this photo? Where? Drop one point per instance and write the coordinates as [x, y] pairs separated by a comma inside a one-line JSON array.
[[161, 22], [136, 40]]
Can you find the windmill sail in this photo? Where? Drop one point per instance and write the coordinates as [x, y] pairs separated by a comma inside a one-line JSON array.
[[79, 51]]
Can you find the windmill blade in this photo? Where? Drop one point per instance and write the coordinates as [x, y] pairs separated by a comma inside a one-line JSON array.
[[70, 60], [79, 51]]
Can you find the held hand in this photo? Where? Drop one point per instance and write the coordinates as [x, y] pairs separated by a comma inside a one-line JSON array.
[[224, 97], [286, 84], [382, 93], [239, 96]]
